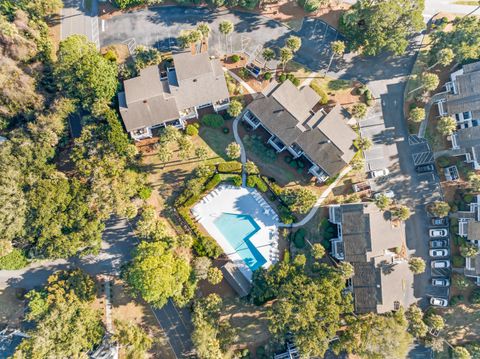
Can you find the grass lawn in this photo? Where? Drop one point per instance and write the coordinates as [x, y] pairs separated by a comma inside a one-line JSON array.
[[167, 180], [298, 70], [250, 320], [339, 91], [462, 324], [129, 309]]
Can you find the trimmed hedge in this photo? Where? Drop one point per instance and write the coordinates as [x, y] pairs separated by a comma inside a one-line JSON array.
[[14, 260], [229, 167], [213, 120], [256, 181], [214, 181], [203, 245]]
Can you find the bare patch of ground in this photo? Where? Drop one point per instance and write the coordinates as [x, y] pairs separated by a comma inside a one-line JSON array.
[[11, 307], [462, 324]]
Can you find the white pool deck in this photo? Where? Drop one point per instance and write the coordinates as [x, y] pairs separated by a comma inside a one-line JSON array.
[[240, 200]]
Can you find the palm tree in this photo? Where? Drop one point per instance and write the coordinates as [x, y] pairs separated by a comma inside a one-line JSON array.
[[204, 29], [286, 55], [226, 28], [338, 49]]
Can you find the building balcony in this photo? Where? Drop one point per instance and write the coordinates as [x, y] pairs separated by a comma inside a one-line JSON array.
[[295, 150], [276, 143], [337, 248], [141, 133], [250, 118], [221, 105], [316, 171], [188, 113]]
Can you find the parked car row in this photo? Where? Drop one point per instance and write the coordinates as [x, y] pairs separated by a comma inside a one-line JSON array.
[[439, 252]]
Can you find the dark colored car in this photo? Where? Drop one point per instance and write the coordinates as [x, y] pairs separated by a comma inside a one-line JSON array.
[[425, 168], [438, 243], [436, 221]]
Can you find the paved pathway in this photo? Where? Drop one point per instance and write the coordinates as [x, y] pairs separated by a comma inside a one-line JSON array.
[[319, 201], [423, 126]]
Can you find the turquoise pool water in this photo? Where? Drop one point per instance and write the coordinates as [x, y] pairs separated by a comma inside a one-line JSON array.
[[237, 230]]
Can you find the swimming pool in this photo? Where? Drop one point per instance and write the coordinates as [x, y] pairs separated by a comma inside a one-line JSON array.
[[237, 230]]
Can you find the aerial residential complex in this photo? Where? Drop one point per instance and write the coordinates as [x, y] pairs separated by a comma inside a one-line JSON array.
[[461, 100], [469, 228], [376, 248], [172, 95], [297, 124]]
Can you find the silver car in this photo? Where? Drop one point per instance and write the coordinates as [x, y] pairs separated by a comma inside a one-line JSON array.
[[441, 264], [440, 282], [438, 302], [438, 253], [438, 233]]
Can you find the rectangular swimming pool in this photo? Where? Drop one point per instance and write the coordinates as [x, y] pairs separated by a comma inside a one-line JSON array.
[[237, 230]]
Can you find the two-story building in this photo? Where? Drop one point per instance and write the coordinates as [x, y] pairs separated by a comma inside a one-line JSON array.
[[295, 123], [172, 95], [461, 100], [469, 228], [377, 250]]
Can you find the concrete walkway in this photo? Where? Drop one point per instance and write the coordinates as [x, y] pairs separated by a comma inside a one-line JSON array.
[[423, 126], [319, 201], [243, 153]]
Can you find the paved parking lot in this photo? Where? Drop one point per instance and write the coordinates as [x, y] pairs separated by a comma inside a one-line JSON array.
[[159, 27]]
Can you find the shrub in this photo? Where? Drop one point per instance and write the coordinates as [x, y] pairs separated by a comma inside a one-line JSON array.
[[236, 180], [320, 92], [443, 161], [256, 181], [225, 130], [285, 215], [282, 78], [191, 130], [267, 75], [458, 261], [213, 120], [213, 182], [229, 167], [288, 159], [475, 296], [14, 260], [299, 238], [293, 164], [206, 246], [369, 102], [145, 193], [235, 58]]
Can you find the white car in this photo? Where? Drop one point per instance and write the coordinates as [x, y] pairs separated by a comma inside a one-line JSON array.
[[379, 173], [439, 264], [389, 194], [439, 302], [440, 282], [438, 233], [438, 253]]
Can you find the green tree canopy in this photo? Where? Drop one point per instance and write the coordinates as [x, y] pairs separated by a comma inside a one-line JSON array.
[[439, 209], [157, 273], [133, 338], [359, 110], [378, 26], [310, 309], [66, 326], [417, 114], [235, 108], [293, 43], [416, 265], [376, 336], [463, 40], [233, 150], [417, 327], [299, 199], [82, 73]]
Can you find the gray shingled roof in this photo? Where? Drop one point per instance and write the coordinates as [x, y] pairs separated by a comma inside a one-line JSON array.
[[149, 100], [378, 283], [288, 113], [468, 91]]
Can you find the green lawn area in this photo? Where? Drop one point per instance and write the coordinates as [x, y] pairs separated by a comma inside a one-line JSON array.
[[167, 180]]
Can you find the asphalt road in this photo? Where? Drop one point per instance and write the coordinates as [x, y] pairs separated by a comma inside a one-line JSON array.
[[76, 19]]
